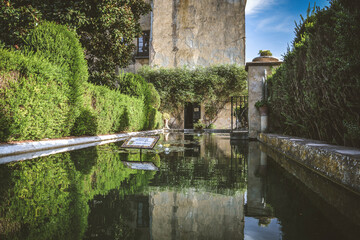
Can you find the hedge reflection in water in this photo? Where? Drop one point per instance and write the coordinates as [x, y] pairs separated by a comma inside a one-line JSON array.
[[52, 197]]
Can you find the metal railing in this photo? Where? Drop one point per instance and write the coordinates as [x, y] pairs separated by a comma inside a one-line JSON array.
[[239, 113]]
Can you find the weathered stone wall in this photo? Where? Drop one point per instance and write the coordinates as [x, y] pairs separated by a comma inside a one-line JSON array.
[[337, 163], [224, 118], [345, 202], [193, 32]]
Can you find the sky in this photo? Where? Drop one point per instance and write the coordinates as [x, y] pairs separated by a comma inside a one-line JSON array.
[[270, 24]]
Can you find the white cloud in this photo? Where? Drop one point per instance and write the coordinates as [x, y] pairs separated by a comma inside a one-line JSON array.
[[255, 6], [276, 23]]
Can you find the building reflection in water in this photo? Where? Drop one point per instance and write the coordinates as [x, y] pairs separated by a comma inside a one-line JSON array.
[[256, 205], [192, 213]]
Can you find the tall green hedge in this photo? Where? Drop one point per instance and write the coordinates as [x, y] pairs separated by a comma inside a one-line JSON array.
[[315, 93], [44, 92], [62, 47], [33, 98], [110, 111]]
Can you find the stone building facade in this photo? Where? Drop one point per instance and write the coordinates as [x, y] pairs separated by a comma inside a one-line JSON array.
[[192, 33]]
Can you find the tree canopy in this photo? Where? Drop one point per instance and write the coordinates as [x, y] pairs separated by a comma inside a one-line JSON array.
[[106, 28]]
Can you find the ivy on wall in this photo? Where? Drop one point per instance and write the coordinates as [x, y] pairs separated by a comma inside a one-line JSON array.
[[212, 86]]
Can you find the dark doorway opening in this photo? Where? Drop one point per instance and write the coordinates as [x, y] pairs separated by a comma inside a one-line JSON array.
[[192, 113]]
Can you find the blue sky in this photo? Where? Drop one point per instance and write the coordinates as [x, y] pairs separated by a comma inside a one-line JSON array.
[[270, 24]]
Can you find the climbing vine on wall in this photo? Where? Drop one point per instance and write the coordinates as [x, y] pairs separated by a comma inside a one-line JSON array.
[[212, 86]]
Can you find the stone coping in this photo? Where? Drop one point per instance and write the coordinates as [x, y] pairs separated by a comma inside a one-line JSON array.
[[198, 131], [255, 64], [337, 163], [28, 147]]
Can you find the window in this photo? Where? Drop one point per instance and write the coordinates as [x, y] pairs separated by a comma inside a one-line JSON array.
[[143, 44]]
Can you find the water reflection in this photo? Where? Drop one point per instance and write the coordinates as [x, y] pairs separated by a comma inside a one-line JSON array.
[[205, 188]]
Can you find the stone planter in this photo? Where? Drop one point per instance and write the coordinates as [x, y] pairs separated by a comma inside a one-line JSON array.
[[166, 124], [265, 59]]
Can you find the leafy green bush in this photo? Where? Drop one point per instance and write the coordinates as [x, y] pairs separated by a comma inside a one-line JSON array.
[[33, 98], [116, 112], [42, 92], [199, 125], [131, 84], [61, 47], [152, 96], [135, 85], [264, 53], [315, 93]]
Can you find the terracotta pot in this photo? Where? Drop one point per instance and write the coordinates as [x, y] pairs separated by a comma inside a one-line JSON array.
[[263, 110]]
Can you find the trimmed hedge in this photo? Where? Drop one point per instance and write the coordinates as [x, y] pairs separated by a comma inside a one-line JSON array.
[[62, 47], [315, 93], [110, 111], [33, 98], [44, 92]]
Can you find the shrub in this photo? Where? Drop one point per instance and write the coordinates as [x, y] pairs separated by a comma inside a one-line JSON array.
[[152, 96], [116, 112], [264, 53], [134, 85], [166, 116], [61, 47], [42, 92], [33, 98], [315, 93], [131, 84], [199, 125]]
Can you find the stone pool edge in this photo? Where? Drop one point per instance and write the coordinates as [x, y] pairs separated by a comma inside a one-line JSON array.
[[339, 164], [27, 147]]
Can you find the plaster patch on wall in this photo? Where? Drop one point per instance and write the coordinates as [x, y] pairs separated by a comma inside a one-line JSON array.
[[197, 32]]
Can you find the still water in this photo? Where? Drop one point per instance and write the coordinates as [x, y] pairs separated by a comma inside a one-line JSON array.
[[206, 187]]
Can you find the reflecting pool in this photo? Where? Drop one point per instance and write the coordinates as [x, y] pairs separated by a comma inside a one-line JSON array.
[[203, 187]]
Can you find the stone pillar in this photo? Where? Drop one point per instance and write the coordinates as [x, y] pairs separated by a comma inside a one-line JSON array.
[[258, 69]]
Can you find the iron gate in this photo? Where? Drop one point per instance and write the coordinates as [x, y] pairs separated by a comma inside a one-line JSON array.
[[239, 113]]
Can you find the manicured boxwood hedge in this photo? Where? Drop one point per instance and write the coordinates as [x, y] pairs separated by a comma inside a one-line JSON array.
[[44, 92]]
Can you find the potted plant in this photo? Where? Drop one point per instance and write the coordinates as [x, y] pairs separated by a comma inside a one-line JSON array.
[[262, 106], [265, 53], [265, 56], [199, 125], [166, 117]]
